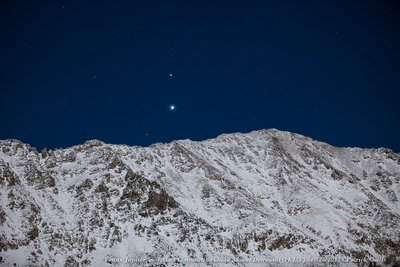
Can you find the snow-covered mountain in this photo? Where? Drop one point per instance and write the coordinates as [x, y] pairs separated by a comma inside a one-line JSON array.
[[254, 199]]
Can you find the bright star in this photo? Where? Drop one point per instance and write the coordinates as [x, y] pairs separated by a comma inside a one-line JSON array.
[[172, 107]]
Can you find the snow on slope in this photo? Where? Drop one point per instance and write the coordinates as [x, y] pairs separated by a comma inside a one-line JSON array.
[[234, 200]]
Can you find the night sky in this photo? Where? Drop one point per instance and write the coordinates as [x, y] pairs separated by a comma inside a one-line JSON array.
[[111, 70]]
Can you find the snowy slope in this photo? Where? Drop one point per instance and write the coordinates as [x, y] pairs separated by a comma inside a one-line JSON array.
[[254, 199]]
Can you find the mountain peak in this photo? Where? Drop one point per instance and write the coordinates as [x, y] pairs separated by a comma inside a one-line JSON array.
[[266, 194]]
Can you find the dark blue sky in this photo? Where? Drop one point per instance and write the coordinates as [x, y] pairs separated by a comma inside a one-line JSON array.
[[78, 70]]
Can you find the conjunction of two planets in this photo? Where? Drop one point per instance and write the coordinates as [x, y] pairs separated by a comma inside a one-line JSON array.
[[172, 107]]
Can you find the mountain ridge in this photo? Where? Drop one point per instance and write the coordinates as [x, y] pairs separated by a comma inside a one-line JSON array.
[[266, 194], [95, 140]]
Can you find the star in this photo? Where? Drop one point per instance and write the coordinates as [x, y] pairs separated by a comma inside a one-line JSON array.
[[172, 107], [170, 75]]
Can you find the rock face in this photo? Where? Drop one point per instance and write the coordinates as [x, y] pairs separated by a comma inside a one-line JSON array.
[[237, 199]]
